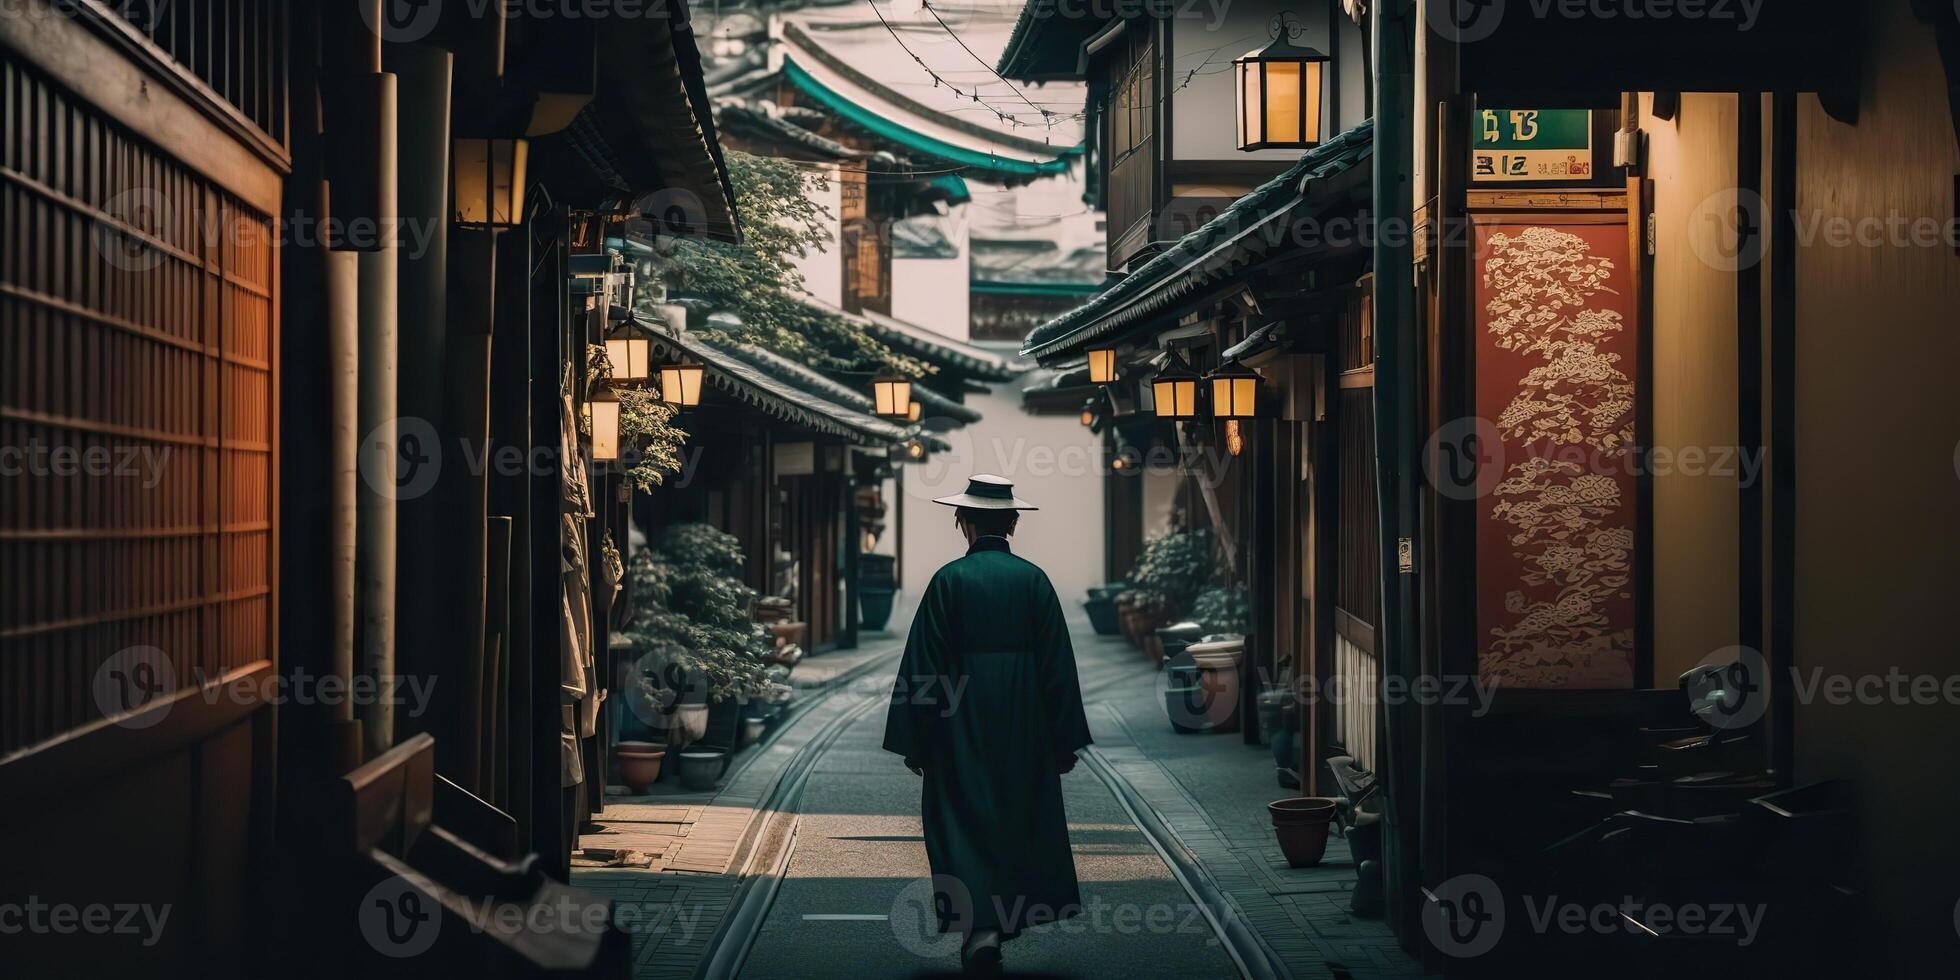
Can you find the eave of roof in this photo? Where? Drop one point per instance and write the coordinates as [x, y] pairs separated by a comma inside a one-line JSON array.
[[1046, 44], [651, 78], [931, 346], [982, 164], [1204, 255], [1033, 288], [740, 377], [818, 383]]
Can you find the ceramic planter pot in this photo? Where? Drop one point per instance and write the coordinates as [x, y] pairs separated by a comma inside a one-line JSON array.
[[753, 730], [702, 768], [639, 764], [691, 721], [1301, 824], [1102, 616], [875, 605]]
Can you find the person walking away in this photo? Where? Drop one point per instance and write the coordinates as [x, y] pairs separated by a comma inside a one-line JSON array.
[[988, 710]]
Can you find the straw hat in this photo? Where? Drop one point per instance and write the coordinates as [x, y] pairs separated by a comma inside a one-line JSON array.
[[984, 491]]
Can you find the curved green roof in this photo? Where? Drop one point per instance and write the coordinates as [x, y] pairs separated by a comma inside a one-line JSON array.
[[885, 128]]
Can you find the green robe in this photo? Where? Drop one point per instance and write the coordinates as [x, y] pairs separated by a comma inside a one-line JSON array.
[[987, 703]]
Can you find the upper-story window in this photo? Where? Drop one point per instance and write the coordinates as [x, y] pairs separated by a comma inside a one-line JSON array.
[[1132, 97], [1131, 127]]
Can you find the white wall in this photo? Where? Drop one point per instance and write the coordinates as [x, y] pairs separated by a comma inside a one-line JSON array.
[[1055, 464], [933, 292], [822, 269]]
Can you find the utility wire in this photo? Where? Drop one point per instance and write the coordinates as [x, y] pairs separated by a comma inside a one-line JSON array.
[[984, 63]]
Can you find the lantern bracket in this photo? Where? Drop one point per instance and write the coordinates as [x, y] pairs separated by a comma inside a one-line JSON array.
[[1285, 24]]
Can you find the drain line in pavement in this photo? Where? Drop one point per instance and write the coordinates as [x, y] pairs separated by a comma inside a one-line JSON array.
[[1249, 953], [757, 891]]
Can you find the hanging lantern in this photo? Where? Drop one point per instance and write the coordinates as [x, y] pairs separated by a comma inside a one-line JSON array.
[[1089, 413], [1234, 391], [1102, 365], [629, 351], [914, 412], [893, 395], [1279, 89], [1175, 390], [489, 176], [912, 450], [680, 384], [605, 423]]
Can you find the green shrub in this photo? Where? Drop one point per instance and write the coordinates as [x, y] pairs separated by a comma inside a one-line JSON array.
[[1223, 609], [691, 609], [1173, 569]]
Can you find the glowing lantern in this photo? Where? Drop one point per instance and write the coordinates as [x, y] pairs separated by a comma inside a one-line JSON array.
[[1234, 391], [1102, 365], [1175, 390], [605, 423], [1279, 89], [893, 395], [680, 384]]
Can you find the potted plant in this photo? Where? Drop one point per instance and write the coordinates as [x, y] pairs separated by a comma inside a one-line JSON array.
[[1223, 609], [1166, 579], [701, 768], [1101, 607], [694, 625]]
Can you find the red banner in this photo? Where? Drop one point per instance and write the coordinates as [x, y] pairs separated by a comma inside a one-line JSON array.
[[1556, 360]]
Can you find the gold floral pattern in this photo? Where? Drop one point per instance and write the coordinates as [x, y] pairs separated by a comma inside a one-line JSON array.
[[1568, 520]]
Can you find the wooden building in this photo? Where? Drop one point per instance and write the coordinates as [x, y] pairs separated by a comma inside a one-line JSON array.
[[293, 254]]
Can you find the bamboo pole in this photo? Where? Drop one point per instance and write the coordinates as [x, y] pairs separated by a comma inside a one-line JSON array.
[[379, 280], [341, 278], [422, 132]]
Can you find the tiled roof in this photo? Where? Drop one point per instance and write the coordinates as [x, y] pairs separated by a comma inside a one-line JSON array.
[[931, 346], [738, 374], [1204, 256]]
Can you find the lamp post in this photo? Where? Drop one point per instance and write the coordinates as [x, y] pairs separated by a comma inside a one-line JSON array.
[[489, 175], [680, 384], [1175, 390], [893, 394], [1102, 365], [1279, 91], [1234, 391]]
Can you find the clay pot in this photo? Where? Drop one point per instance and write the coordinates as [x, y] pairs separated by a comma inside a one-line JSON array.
[[638, 764], [1129, 620], [1301, 825]]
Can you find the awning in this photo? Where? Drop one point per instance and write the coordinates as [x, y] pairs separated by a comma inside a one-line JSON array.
[[931, 346], [738, 376], [1252, 226]]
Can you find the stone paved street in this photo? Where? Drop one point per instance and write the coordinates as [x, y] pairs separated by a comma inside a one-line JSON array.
[[848, 904]]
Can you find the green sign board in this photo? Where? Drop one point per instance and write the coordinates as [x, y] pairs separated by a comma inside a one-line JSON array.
[[1536, 145]]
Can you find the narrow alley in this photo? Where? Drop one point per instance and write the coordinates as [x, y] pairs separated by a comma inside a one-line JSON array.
[[1180, 871]]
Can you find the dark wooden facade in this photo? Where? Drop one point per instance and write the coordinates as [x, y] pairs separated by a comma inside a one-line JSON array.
[[140, 168]]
